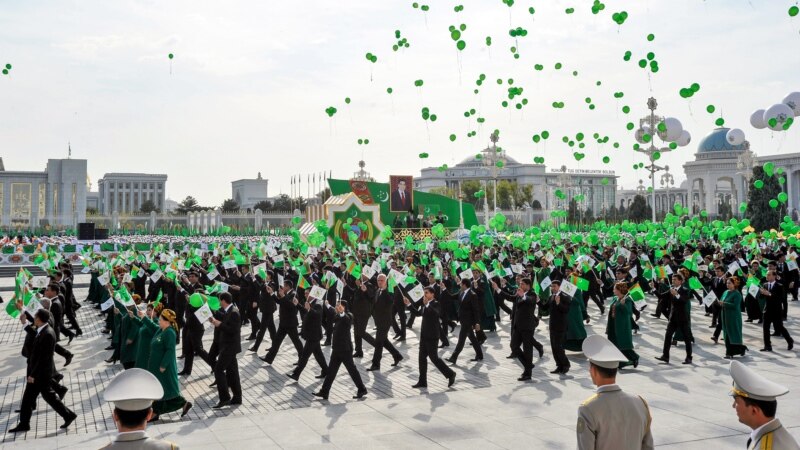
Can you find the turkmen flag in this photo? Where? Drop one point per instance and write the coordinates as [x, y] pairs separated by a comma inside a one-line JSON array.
[[303, 283], [11, 308], [636, 293], [580, 283], [660, 273], [158, 298], [694, 283], [392, 284]]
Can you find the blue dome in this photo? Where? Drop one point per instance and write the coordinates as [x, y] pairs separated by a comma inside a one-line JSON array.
[[717, 142]]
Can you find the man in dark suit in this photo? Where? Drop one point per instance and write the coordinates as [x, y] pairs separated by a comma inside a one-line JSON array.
[[194, 330], [41, 368], [469, 315], [287, 326], [718, 286], [401, 200], [312, 333], [774, 294], [429, 338], [342, 353], [382, 316], [361, 308], [523, 324], [226, 369], [559, 307], [678, 319]]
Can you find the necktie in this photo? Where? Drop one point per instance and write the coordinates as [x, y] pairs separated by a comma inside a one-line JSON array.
[[380, 291], [748, 442]]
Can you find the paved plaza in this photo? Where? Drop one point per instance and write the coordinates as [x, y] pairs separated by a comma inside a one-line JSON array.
[[486, 408]]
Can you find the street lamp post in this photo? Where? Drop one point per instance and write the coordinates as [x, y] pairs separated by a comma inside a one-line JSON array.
[[666, 180], [649, 126], [745, 163], [494, 159], [461, 207]]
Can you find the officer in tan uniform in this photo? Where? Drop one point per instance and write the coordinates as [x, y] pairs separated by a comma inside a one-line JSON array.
[[754, 399], [133, 392], [611, 419]]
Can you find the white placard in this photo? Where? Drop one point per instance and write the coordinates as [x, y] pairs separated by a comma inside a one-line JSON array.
[[156, 276], [465, 275], [213, 273], [517, 268], [416, 293], [544, 284], [317, 292], [32, 306], [339, 287], [710, 298], [107, 304], [791, 264], [229, 264], [367, 271], [733, 267], [39, 282], [634, 271], [624, 252], [568, 288], [753, 290], [203, 313], [104, 279]]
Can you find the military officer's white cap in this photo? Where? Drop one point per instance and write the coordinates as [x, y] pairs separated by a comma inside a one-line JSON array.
[[602, 352], [133, 390], [747, 383]]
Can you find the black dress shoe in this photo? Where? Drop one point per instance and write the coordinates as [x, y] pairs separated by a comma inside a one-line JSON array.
[[401, 339], [68, 359], [62, 393], [236, 401], [264, 358], [214, 384], [564, 370], [69, 340], [687, 361], [451, 379], [446, 344], [20, 429], [558, 370], [186, 407], [321, 376], [663, 359], [451, 360], [397, 361], [221, 404], [252, 337], [110, 347], [79, 333], [476, 359], [715, 339], [541, 351], [184, 373], [420, 385], [68, 421], [374, 368], [791, 345], [766, 350], [252, 349], [181, 357], [511, 356], [358, 355], [775, 334], [293, 376], [360, 393], [524, 378], [321, 395]]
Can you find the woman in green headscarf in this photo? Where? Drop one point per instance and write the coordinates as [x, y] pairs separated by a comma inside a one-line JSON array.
[[163, 364], [618, 328], [732, 319]]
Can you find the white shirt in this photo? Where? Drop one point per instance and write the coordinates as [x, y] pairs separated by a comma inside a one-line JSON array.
[[754, 433], [39, 330]]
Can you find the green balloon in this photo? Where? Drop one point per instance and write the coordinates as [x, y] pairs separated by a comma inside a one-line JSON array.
[[171, 56], [196, 300], [452, 138], [759, 184], [461, 45], [769, 168], [782, 197], [773, 203]]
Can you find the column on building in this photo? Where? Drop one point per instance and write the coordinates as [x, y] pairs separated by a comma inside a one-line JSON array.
[[710, 192]]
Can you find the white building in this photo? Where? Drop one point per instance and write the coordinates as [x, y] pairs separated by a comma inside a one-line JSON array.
[[125, 192], [248, 192], [53, 197]]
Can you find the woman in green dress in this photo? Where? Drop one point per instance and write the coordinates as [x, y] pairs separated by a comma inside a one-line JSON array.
[[148, 325], [618, 328], [576, 315], [731, 303], [130, 333], [164, 366]]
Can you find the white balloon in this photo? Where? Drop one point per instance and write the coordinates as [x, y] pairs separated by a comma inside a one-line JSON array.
[[780, 113], [757, 119], [735, 136], [674, 128], [684, 139], [793, 101]]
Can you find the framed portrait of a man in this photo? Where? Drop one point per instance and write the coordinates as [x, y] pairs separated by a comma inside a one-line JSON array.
[[402, 198]]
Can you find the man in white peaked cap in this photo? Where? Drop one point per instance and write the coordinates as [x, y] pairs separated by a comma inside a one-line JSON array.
[[133, 393], [611, 419], [754, 399]]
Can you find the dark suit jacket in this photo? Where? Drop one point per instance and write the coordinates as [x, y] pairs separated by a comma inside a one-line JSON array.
[[361, 306], [558, 313], [230, 331], [341, 343], [287, 311], [773, 305], [312, 324], [382, 309], [469, 310], [524, 312], [40, 363], [57, 310], [398, 204], [677, 313], [431, 320]]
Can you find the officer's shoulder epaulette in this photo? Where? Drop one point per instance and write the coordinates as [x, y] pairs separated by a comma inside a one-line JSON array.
[[589, 400]]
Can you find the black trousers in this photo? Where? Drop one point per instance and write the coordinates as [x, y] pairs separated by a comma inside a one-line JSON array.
[[32, 392], [557, 340], [596, 298], [522, 342], [251, 314], [466, 332], [360, 332], [663, 306], [769, 321], [428, 350], [61, 351], [226, 374], [69, 313], [672, 327], [401, 329], [716, 310], [193, 345], [311, 347], [276, 342], [380, 341], [267, 323], [752, 308], [337, 359]]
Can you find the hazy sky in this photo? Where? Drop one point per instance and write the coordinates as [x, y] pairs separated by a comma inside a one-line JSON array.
[[251, 80]]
